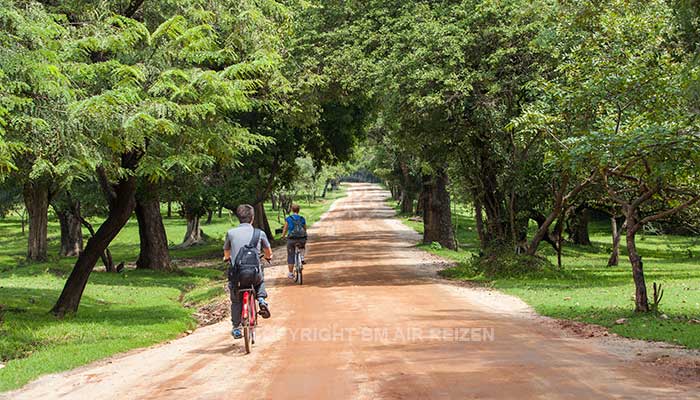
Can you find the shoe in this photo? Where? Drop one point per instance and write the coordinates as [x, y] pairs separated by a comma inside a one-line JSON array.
[[303, 262], [290, 275], [236, 333], [264, 309]]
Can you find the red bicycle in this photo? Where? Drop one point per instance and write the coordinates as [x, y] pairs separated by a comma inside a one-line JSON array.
[[249, 317]]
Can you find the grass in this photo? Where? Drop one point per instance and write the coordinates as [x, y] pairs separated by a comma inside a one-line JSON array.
[[118, 312], [589, 291]]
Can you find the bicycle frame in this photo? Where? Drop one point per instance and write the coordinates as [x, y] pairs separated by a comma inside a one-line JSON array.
[[247, 295]]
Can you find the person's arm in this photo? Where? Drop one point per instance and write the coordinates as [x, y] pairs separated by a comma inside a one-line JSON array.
[[227, 249], [267, 249], [284, 229]]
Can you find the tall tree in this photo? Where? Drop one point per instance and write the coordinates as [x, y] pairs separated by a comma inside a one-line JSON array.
[[156, 100]]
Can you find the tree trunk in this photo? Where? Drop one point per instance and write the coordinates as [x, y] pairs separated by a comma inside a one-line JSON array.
[[325, 188], [406, 202], [273, 201], [36, 200], [194, 234], [153, 241], [614, 259], [260, 221], [121, 206], [71, 231], [577, 226], [641, 301], [107, 255], [221, 211], [421, 202], [479, 219], [437, 216], [543, 229], [23, 217], [395, 193], [170, 209]]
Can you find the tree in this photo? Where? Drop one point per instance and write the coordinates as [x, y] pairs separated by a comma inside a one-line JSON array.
[[642, 138], [38, 147], [153, 241], [158, 100]]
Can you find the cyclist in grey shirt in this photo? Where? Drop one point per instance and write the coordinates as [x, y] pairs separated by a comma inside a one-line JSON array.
[[236, 238]]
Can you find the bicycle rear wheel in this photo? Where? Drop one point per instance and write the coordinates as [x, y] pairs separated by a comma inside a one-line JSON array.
[[247, 333], [247, 336], [253, 312], [298, 274]]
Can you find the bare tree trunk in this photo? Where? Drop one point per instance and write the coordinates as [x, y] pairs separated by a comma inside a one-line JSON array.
[[437, 215], [479, 219], [325, 188], [614, 259], [274, 203], [170, 209], [543, 229], [641, 301], [420, 202], [210, 215], [23, 218], [577, 226], [194, 234], [153, 241], [36, 200], [68, 214], [107, 255], [122, 203], [406, 202], [261, 221]]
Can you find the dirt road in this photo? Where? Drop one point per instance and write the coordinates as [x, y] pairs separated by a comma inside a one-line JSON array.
[[370, 322]]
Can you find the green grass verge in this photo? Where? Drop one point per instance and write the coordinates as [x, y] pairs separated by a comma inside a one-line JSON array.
[[589, 291], [118, 312]]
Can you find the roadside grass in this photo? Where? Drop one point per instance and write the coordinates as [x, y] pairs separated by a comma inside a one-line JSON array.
[[589, 291], [118, 312]]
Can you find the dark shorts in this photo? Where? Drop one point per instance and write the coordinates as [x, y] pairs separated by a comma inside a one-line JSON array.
[[291, 244]]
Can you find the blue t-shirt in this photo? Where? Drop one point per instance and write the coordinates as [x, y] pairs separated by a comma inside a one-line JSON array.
[[291, 220]]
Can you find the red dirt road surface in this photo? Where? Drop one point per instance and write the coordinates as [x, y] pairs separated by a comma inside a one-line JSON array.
[[370, 322]]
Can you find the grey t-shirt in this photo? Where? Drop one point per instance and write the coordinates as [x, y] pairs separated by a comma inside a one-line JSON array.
[[240, 236]]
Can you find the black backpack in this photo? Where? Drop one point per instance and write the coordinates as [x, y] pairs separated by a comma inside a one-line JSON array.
[[297, 231], [246, 266]]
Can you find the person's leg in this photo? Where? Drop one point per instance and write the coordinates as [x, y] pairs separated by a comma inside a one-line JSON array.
[[236, 307], [290, 256], [303, 251], [262, 295], [260, 290]]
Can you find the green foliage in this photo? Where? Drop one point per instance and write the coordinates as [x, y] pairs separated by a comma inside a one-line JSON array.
[[589, 291], [505, 264]]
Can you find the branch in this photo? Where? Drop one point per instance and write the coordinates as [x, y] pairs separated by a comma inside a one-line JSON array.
[[672, 211], [578, 188], [106, 187], [648, 194], [613, 194]]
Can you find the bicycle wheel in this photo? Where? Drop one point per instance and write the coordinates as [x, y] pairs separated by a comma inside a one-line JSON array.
[[247, 336], [253, 316], [298, 274]]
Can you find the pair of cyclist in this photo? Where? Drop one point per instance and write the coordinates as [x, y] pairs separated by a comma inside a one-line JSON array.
[[241, 238]]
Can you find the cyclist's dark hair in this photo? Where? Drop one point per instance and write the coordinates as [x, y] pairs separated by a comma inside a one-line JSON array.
[[295, 208], [245, 213]]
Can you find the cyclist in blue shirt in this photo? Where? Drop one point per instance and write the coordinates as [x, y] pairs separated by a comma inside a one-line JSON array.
[[295, 231]]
